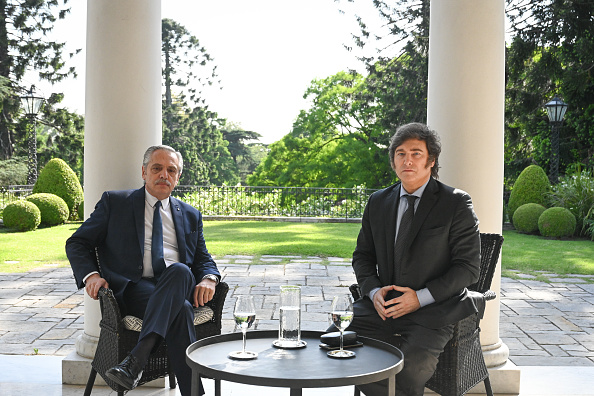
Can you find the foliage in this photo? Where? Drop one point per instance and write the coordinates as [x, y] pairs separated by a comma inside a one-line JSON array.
[[184, 61], [23, 46], [196, 135], [80, 212], [53, 209], [333, 144], [526, 217], [189, 126], [57, 178], [13, 171], [246, 155], [530, 187], [552, 52], [556, 222], [576, 193], [21, 215]]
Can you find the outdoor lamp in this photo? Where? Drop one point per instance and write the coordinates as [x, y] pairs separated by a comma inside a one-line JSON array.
[[556, 109], [31, 105]]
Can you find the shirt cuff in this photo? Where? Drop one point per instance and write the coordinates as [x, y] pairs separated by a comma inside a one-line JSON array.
[[87, 277], [425, 297], [372, 293]]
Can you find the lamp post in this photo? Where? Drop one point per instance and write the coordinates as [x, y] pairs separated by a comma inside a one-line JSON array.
[[31, 105], [556, 110]]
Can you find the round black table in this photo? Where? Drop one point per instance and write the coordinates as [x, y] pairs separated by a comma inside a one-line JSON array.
[[308, 367]]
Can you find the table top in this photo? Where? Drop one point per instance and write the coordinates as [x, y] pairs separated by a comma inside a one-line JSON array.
[[308, 367]]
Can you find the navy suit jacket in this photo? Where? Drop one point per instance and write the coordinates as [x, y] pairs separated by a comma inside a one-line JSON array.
[[443, 253], [116, 229]]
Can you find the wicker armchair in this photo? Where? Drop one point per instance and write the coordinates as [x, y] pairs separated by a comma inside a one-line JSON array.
[[461, 365], [116, 340]]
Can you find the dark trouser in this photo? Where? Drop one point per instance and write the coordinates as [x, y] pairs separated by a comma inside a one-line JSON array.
[[420, 345], [166, 310]]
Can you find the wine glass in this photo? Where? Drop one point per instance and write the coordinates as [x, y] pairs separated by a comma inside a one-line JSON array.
[[341, 315], [245, 315]]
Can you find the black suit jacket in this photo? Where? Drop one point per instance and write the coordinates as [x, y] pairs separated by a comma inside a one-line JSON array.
[[116, 229], [443, 253]]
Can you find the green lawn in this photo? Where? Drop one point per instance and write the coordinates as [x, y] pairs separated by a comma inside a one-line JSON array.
[[527, 253]]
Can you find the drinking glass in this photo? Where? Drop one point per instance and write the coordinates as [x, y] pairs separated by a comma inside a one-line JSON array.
[[341, 315], [289, 328], [245, 315]]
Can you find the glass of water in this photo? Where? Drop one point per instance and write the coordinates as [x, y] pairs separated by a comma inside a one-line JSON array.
[[245, 316], [341, 316], [289, 327]]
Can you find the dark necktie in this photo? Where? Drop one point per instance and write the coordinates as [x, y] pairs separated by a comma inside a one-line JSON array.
[[404, 229], [157, 242]]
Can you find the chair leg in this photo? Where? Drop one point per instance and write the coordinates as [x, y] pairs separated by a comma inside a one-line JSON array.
[[357, 391], [90, 382], [172, 380], [488, 387]]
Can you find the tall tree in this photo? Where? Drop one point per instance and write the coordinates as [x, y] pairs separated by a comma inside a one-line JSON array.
[[552, 52], [246, 155], [24, 47], [187, 123]]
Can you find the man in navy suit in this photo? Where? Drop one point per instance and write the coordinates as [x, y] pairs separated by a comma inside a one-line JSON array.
[[161, 290], [414, 284]]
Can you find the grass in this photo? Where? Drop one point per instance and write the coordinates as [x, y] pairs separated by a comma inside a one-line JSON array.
[[531, 254]]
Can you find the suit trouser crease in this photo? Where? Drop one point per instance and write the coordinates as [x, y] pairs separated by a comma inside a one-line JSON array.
[[166, 310]]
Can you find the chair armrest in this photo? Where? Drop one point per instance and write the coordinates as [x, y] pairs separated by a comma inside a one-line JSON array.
[[218, 301], [111, 317], [489, 295]]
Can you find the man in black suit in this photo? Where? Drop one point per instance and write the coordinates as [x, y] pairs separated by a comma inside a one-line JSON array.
[[153, 256], [414, 284]]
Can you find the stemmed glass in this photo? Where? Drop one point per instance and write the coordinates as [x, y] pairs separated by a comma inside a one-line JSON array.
[[245, 315], [341, 315]]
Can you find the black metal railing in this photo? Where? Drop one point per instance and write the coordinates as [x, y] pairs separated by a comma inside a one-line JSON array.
[[255, 201], [13, 192], [276, 201]]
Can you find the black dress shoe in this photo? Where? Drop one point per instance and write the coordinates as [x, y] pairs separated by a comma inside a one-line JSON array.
[[127, 373]]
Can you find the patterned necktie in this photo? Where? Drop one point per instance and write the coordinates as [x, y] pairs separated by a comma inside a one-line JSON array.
[[157, 242], [404, 229]]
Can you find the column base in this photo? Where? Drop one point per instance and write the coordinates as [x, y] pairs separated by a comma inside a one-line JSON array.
[[86, 345], [495, 354]]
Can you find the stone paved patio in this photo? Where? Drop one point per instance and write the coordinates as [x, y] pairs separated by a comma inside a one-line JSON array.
[[542, 323]]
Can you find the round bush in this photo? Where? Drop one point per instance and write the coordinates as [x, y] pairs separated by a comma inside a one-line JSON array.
[[80, 211], [22, 215], [530, 187], [53, 208], [57, 178], [526, 217], [556, 222]]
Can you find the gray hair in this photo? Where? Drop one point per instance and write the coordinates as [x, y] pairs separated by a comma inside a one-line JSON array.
[[149, 153], [416, 130]]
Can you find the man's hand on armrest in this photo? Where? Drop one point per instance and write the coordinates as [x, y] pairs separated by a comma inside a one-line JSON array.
[[93, 284]]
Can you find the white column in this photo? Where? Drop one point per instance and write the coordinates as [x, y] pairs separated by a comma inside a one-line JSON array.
[[466, 107], [122, 108]]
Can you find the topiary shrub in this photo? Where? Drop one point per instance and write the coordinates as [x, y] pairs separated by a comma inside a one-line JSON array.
[[22, 215], [57, 178], [526, 217], [81, 211], [53, 208], [556, 222], [530, 187]]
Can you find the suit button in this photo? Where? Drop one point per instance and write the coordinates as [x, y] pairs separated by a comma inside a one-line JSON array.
[[140, 267]]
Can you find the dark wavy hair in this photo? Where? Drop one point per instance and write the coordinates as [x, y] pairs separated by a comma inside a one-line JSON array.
[[416, 130]]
